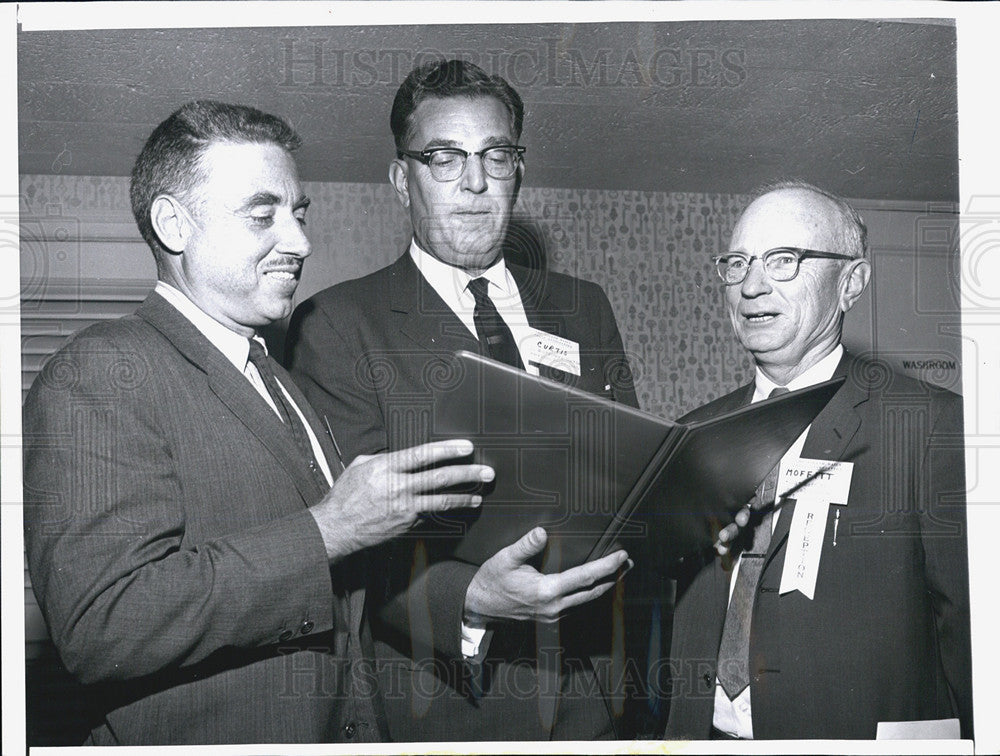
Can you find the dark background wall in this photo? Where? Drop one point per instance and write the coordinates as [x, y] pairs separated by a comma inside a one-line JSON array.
[[864, 108]]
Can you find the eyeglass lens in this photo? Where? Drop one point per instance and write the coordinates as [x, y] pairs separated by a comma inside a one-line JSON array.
[[498, 162], [780, 265]]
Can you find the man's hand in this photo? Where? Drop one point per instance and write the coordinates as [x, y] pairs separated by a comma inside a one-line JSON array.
[[380, 497], [728, 534], [506, 587]]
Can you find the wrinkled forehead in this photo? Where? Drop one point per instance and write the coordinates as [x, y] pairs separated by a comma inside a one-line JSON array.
[[787, 218]]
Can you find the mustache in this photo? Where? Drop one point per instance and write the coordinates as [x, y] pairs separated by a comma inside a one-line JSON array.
[[286, 263]]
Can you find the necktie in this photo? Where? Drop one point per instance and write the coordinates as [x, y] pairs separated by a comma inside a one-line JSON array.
[[495, 338], [289, 416], [734, 651]]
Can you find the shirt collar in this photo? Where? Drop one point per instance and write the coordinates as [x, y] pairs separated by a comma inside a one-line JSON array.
[[234, 347], [821, 371], [451, 282]]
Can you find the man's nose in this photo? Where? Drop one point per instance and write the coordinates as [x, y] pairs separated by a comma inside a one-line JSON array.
[[757, 281], [474, 177], [292, 239]]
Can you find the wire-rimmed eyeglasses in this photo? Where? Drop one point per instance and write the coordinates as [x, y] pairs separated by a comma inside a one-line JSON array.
[[448, 163], [780, 263]]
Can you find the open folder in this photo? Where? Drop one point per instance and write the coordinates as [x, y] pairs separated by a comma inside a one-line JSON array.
[[599, 475]]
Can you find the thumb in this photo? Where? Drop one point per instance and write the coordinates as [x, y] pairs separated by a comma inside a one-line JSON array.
[[530, 544]]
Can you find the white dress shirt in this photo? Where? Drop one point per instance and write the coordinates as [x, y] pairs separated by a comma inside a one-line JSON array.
[[236, 349], [452, 285], [735, 717]]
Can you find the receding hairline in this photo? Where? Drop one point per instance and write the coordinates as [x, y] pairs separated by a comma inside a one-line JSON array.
[[848, 225]]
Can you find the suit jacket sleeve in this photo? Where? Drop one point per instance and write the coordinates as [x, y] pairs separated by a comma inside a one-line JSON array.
[[946, 555], [123, 592]]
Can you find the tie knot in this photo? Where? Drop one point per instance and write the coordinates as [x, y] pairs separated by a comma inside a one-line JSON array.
[[479, 288], [777, 391]]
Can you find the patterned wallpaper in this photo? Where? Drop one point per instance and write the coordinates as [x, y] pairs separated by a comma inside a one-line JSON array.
[[649, 250]]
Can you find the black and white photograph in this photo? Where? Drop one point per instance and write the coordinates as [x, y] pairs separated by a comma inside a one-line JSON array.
[[589, 376]]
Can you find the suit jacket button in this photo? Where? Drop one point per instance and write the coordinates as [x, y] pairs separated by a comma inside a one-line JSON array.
[[306, 627], [349, 729], [707, 679], [286, 635]]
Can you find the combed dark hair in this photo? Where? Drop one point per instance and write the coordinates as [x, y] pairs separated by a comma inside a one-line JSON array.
[[854, 232], [170, 161], [450, 78]]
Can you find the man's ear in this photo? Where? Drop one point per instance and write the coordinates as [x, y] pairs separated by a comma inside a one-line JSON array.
[[398, 171], [854, 281], [170, 222]]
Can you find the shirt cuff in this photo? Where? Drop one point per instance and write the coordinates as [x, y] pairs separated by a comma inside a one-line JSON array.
[[472, 637]]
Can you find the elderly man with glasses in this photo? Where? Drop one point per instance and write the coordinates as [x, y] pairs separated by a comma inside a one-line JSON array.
[[845, 612], [466, 653]]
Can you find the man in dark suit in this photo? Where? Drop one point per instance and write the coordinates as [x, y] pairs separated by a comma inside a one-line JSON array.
[[846, 612], [192, 561], [460, 645]]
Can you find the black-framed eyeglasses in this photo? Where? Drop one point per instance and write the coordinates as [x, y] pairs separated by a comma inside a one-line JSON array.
[[448, 163], [780, 263]]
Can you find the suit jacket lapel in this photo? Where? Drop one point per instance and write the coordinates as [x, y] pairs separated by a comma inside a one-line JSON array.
[[829, 436], [233, 390], [534, 296], [540, 311], [424, 317], [838, 423]]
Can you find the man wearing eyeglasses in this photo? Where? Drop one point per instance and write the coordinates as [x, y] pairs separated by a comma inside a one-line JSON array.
[[845, 613], [465, 653]]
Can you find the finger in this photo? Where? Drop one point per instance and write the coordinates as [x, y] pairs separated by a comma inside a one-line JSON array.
[[582, 597], [528, 545], [417, 457], [743, 517], [442, 502], [577, 578], [728, 533], [451, 475]]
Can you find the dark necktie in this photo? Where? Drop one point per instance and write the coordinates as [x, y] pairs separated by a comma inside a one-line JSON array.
[[286, 411], [734, 651], [495, 338]]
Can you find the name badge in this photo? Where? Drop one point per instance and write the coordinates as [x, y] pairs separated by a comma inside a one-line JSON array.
[[815, 485], [553, 351]]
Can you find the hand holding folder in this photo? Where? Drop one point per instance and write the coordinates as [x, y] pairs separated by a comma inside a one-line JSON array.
[[599, 475]]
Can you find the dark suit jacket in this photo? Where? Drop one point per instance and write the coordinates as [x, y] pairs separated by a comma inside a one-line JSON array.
[[366, 352], [178, 569], [886, 637]]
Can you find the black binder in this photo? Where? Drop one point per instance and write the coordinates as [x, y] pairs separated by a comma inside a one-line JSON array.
[[598, 475]]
